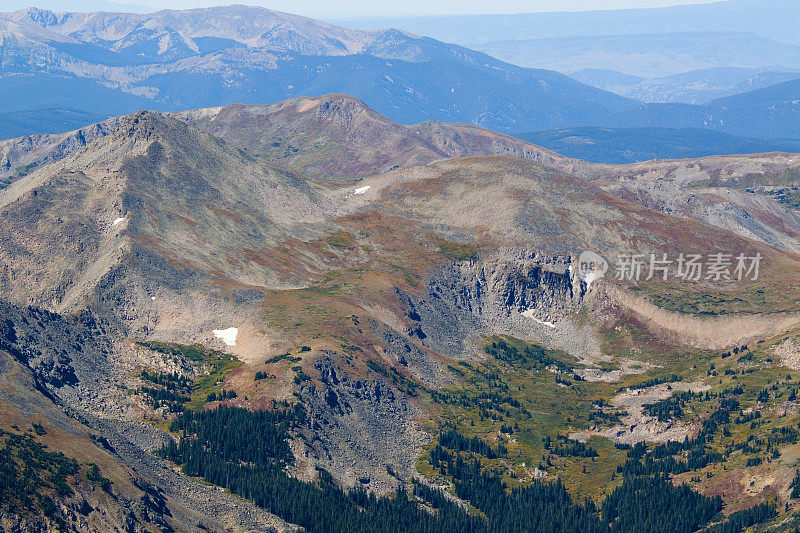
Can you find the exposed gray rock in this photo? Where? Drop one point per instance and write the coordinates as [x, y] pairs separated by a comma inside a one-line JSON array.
[[488, 296], [58, 367], [405, 350], [358, 426]]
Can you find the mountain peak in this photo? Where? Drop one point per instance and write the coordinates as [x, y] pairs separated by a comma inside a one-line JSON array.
[[42, 17], [148, 125]]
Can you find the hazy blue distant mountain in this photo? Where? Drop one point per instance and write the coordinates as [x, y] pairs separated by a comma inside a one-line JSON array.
[[597, 77], [42, 90], [769, 113], [629, 145], [112, 63], [694, 87], [771, 19], [100, 64], [648, 55], [756, 36], [19, 123], [84, 5]]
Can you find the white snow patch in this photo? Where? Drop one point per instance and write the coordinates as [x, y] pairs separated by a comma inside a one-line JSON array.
[[228, 336], [362, 190], [529, 313], [117, 221], [152, 297]]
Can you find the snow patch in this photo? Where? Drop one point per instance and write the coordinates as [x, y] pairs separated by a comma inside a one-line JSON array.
[[362, 190], [117, 221], [228, 336], [529, 313]]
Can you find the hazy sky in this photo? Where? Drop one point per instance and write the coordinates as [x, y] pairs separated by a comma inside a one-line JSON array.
[[354, 7]]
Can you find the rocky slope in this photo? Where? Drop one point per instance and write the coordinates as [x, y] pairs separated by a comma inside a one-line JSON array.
[[20, 155], [746, 194], [59, 380], [332, 138], [367, 302]]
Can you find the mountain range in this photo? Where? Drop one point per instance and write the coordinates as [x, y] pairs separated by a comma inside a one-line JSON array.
[[260, 272], [112, 63], [308, 298], [63, 71], [768, 113], [769, 19], [764, 119], [692, 54], [692, 87], [649, 55]]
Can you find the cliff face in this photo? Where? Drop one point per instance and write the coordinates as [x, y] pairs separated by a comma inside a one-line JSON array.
[[517, 293]]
